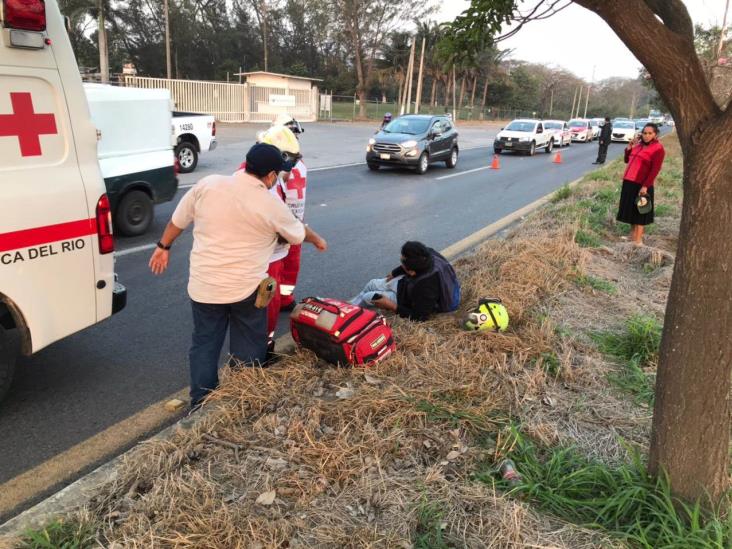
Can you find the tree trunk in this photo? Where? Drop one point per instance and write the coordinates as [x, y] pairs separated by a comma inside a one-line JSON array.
[[434, 93], [485, 94], [691, 434], [462, 92], [447, 92], [472, 95]]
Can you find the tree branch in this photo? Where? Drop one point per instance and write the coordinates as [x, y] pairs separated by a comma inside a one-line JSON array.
[[674, 67], [674, 15]]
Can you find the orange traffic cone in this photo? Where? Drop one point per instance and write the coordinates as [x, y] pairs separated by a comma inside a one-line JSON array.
[[495, 165], [558, 158]]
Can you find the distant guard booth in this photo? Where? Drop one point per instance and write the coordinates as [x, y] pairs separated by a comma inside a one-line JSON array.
[[270, 94]]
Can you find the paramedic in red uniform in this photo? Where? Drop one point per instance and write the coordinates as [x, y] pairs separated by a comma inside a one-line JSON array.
[[236, 225], [290, 189], [645, 159], [295, 188]]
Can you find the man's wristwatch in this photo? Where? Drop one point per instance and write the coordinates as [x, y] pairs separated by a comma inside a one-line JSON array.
[[163, 246]]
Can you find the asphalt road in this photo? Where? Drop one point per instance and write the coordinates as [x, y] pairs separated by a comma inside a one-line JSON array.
[[82, 385]]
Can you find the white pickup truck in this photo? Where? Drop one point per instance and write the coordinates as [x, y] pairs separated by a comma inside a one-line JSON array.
[[193, 133]]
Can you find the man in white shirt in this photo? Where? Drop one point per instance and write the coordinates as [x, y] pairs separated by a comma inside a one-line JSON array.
[[236, 223]]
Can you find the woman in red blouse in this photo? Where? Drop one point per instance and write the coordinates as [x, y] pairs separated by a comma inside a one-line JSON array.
[[644, 158]]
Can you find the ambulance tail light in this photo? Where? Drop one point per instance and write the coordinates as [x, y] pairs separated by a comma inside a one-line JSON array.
[[27, 15], [104, 226]]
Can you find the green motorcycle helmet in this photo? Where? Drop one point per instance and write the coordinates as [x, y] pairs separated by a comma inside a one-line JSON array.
[[490, 314]]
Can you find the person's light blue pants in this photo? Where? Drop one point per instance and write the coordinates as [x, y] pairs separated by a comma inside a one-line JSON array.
[[377, 286]]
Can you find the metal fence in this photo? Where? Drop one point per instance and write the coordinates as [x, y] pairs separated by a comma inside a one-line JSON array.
[[234, 102], [348, 107], [224, 101]]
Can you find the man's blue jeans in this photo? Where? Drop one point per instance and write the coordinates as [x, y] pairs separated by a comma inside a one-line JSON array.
[[247, 340]]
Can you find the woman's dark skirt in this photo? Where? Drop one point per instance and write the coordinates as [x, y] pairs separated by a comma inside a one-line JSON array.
[[628, 211]]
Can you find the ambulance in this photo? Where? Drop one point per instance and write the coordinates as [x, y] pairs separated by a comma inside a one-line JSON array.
[[56, 242]]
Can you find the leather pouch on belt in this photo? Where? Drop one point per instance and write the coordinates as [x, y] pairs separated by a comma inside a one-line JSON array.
[[265, 292]]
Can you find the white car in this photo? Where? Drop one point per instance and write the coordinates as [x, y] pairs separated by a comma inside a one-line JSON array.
[[595, 123], [562, 135], [623, 131], [525, 135], [581, 130], [194, 133]]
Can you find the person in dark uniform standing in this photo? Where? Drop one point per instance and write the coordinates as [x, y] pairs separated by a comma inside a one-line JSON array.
[[605, 136]]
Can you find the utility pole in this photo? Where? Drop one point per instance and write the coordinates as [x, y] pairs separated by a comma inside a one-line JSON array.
[[102, 38], [579, 102], [723, 32], [167, 39], [264, 33], [406, 107], [587, 99], [419, 79], [574, 100], [551, 102], [632, 106], [454, 85]]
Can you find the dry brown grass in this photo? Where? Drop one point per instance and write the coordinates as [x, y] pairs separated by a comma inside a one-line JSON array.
[[281, 460]]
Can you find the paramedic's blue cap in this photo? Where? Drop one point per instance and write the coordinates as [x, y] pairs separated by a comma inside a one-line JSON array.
[[263, 159]]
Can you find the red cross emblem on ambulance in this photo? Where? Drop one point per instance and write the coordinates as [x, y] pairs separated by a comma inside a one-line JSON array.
[[26, 125]]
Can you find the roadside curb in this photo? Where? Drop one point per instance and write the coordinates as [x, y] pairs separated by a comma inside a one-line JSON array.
[[77, 494]]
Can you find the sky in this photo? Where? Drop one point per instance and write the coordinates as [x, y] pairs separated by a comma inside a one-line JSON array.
[[604, 54]]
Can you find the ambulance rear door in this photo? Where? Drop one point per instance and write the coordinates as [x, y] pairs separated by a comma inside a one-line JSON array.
[[47, 231]]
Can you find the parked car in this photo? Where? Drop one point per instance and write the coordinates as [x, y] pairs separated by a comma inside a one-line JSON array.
[[623, 131], [414, 140], [524, 135], [194, 133], [581, 130], [135, 151], [562, 135], [595, 128], [656, 117], [639, 123]]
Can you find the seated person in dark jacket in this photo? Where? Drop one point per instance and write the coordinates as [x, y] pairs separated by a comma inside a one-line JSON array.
[[406, 290]]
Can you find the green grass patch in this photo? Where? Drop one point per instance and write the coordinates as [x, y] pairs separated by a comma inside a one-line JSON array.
[[635, 347], [625, 501], [429, 531], [562, 194], [596, 283], [587, 239], [639, 339], [550, 363], [60, 535], [663, 210]]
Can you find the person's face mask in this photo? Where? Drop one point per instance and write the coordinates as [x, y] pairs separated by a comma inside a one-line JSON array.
[[270, 179]]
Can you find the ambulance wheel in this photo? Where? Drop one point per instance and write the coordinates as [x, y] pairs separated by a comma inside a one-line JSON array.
[[8, 355], [187, 157], [134, 213]]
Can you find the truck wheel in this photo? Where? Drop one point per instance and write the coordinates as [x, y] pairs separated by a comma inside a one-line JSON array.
[[549, 146], [453, 160], [532, 150], [134, 213], [187, 156], [423, 163], [8, 355]]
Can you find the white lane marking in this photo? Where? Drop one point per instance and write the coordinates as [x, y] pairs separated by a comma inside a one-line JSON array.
[[323, 168], [152, 245], [462, 173], [136, 249]]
